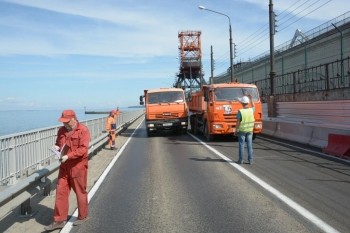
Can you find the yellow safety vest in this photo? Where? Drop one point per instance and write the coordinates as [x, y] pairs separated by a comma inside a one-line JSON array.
[[247, 123]]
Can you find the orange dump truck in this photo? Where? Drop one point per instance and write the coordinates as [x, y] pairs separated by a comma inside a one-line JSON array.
[[166, 109], [213, 109]]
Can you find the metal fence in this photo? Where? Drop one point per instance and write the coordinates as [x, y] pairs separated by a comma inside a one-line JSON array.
[[324, 77], [24, 153]]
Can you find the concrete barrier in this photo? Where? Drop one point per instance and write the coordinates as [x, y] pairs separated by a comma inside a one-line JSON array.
[[338, 145], [306, 133]]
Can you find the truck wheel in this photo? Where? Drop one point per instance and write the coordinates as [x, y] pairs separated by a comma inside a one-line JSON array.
[[254, 136], [149, 133], [192, 122], [206, 133], [195, 127]]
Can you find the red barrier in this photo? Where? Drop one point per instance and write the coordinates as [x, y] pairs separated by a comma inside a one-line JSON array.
[[338, 145]]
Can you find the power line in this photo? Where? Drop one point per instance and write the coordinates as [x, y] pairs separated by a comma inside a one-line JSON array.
[[291, 11], [262, 34], [296, 14], [254, 44], [250, 44], [306, 15]]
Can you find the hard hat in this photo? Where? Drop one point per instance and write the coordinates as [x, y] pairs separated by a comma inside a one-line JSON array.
[[244, 100]]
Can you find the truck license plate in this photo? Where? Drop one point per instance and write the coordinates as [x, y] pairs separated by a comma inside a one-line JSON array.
[[167, 124]]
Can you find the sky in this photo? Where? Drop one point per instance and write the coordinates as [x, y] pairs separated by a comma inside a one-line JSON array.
[[100, 54]]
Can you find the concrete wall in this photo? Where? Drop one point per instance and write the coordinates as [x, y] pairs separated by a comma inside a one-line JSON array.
[[322, 49]]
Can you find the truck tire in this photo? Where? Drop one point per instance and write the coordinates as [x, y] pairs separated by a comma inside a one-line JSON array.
[[192, 124], [206, 133], [195, 127], [149, 133], [254, 136]]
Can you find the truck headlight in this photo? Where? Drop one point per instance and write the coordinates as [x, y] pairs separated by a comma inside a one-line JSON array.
[[150, 125], [258, 125], [218, 126], [183, 123]]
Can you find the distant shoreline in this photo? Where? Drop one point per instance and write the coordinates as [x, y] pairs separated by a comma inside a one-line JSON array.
[[107, 112], [96, 112]]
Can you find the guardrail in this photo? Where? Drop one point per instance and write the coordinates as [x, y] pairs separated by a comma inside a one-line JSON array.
[[26, 161], [308, 122]]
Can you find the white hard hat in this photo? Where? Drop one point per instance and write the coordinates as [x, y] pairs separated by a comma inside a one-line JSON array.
[[244, 100]]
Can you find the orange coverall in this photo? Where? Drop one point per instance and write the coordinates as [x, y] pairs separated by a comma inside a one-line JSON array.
[[72, 173], [111, 127]]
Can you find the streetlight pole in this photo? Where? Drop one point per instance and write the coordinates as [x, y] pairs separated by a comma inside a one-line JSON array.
[[341, 54], [231, 52]]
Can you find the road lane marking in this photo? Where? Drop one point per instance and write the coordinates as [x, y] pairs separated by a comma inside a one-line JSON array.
[[310, 151], [298, 208], [69, 225]]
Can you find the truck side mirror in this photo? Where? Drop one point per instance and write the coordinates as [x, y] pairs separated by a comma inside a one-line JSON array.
[[206, 96], [141, 100]]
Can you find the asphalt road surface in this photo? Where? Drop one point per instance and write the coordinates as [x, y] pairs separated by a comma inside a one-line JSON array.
[[176, 183]]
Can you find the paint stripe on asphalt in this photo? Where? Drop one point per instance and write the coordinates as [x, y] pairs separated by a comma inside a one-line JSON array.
[[69, 225], [298, 208]]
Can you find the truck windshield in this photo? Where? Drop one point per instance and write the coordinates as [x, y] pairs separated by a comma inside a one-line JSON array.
[[166, 97], [233, 93]]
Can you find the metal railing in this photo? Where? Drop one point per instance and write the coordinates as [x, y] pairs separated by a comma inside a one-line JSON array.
[[24, 153], [318, 78]]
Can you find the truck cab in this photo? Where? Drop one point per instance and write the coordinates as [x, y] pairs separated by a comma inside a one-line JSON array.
[[166, 109], [213, 109]]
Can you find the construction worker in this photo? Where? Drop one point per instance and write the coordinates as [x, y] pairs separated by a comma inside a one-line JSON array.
[[72, 141], [111, 128], [117, 113], [244, 128]]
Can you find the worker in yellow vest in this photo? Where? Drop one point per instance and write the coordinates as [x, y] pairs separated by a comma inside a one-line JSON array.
[[244, 128]]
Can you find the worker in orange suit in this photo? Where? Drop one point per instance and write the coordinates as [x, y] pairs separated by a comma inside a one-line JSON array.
[[111, 128], [117, 113], [73, 142]]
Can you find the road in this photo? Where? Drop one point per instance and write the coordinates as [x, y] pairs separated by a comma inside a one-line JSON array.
[[176, 183]]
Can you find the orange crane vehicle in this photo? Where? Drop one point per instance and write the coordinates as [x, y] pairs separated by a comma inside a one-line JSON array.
[[166, 109], [213, 109]]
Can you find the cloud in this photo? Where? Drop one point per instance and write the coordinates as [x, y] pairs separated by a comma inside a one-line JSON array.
[[115, 49], [14, 102], [103, 30]]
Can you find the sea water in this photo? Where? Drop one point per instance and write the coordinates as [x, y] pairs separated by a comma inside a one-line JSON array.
[[16, 121]]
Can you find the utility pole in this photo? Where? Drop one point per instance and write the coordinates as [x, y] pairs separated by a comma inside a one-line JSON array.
[[341, 54], [272, 45], [211, 65], [231, 52]]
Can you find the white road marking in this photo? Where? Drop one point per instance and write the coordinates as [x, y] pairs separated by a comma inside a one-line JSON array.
[[310, 151], [69, 225], [298, 208]]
